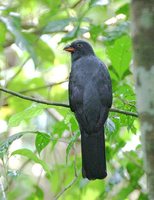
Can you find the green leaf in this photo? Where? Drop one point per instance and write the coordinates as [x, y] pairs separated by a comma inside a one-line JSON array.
[[71, 122], [42, 50], [143, 196], [71, 35], [125, 9], [44, 53], [56, 25], [71, 142], [3, 34], [27, 114], [39, 192], [58, 128], [49, 15], [5, 145], [120, 55], [29, 154], [116, 32], [41, 141], [95, 30], [13, 25], [124, 193]]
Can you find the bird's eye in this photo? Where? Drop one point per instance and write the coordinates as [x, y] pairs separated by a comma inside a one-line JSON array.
[[79, 45]]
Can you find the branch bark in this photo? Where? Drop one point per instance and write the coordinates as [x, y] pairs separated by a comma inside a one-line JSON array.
[[143, 45], [59, 104], [32, 99]]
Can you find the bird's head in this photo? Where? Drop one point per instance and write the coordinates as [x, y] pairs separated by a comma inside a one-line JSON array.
[[79, 48]]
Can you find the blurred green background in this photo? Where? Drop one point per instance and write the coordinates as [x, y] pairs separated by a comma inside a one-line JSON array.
[[40, 144]]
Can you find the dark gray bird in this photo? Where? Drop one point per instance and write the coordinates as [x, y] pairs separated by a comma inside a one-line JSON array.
[[90, 98]]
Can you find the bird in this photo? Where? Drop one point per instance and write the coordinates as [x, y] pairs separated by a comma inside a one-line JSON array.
[[90, 98]]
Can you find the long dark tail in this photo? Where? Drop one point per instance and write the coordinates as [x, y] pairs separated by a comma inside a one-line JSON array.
[[93, 155]]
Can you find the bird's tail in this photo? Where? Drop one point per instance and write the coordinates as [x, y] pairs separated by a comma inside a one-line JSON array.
[[93, 155]]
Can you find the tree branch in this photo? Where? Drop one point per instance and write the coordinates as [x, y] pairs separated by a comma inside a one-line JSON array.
[[123, 112], [60, 104], [32, 99]]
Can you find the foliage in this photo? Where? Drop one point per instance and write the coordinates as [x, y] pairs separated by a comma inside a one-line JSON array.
[[37, 140]]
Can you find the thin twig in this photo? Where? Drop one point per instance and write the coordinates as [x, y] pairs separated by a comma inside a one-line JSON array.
[[75, 153], [19, 70], [76, 4], [60, 104], [37, 88], [2, 189], [66, 188], [43, 86], [75, 167], [60, 140]]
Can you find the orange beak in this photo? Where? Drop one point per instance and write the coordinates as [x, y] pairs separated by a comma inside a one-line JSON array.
[[69, 48]]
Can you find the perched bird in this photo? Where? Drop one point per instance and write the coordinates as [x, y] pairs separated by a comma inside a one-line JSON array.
[[90, 98]]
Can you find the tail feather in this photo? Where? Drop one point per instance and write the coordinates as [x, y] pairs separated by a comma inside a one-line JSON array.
[[93, 155]]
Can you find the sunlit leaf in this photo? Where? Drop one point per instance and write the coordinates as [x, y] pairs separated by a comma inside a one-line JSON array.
[[29, 154], [47, 55], [95, 30], [13, 25], [120, 55], [5, 145], [71, 35], [41, 141], [27, 114], [3, 34], [57, 25], [116, 32], [124, 193], [71, 142], [42, 50], [125, 9]]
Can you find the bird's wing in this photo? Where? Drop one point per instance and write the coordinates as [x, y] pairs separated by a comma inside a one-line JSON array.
[[75, 94], [97, 95], [71, 93], [103, 84]]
